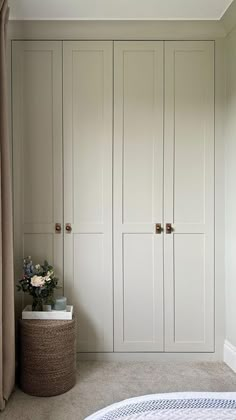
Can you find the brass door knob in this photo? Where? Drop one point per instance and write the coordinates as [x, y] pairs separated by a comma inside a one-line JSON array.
[[58, 227], [68, 228], [158, 228], [169, 228]]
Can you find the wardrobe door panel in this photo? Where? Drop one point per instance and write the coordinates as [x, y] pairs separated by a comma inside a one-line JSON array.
[[138, 294], [37, 151], [189, 196], [138, 195], [87, 93]]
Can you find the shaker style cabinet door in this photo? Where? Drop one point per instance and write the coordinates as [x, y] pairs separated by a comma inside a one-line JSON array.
[[138, 196], [189, 196], [87, 101], [37, 152]]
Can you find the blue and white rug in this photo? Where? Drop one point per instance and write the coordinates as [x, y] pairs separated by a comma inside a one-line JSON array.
[[176, 406]]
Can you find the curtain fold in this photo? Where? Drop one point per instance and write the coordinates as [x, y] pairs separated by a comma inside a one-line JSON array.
[[7, 323]]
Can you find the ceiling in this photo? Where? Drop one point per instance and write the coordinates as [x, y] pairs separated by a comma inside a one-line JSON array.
[[119, 9]]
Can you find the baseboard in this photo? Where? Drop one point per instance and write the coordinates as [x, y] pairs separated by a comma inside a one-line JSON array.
[[146, 357], [230, 355]]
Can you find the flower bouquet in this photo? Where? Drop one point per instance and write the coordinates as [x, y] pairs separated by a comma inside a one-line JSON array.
[[38, 281]]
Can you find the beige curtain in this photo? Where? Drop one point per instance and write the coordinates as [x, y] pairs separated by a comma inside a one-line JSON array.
[[7, 333]]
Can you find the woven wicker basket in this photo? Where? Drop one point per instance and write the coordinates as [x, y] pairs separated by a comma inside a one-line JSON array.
[[48, 357]]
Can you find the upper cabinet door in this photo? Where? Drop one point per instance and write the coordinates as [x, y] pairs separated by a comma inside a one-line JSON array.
[[37, 151], [138, 196], [189, 196], [87, 95]]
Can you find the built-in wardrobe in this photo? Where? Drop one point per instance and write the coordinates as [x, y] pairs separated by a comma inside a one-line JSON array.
[[113, 161]]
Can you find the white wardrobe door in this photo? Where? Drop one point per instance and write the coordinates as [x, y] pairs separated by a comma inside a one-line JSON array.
[[37, 151], [138, 196], [87, 95], [189, 196]]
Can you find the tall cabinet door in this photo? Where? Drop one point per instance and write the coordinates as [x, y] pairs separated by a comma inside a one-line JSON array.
[[37, 152], [87, 95], [189, 196], [138, 196]]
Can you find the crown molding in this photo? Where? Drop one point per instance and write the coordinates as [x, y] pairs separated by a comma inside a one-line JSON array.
[[228, 20], [116, 30]]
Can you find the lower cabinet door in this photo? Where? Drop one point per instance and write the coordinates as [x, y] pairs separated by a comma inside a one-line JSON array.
[[87, 96], [189, 197]]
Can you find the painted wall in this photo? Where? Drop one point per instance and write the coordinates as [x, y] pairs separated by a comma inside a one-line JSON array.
[[230, 188], [118, 9]]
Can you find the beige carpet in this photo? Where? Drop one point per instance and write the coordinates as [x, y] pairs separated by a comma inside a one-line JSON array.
[[100, 384]]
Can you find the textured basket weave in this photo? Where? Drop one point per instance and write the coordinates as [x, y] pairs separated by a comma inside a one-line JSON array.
[[48, 357]]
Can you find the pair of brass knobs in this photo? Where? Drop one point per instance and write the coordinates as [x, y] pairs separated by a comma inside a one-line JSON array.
[[68, 228], [169, 228]]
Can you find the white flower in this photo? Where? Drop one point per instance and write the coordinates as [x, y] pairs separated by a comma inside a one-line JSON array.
[[37, 266], [47, 278], [49, 273], [37, 281]]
